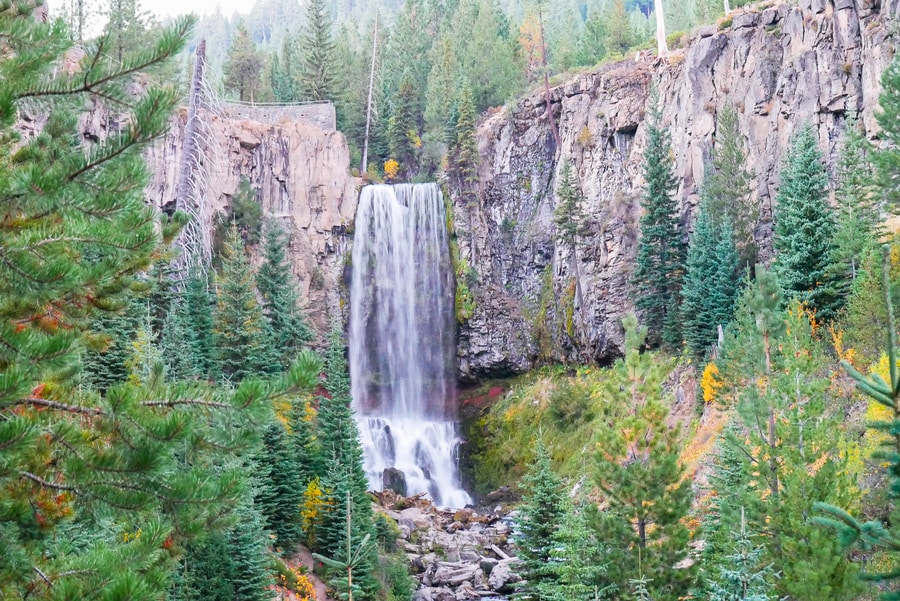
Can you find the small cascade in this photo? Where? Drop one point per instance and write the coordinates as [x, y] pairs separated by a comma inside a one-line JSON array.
[[402, 340]]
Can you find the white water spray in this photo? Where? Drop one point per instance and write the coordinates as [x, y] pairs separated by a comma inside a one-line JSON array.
[[402, 340]]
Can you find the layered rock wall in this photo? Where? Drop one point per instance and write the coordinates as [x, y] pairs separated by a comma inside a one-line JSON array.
[[301, 176], [780, 64]]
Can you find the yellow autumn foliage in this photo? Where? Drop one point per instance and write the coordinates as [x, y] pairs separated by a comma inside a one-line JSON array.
[[710, 382], [311, 510], [391, 169]]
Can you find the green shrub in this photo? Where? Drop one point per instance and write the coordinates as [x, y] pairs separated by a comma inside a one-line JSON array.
[[570, 403]]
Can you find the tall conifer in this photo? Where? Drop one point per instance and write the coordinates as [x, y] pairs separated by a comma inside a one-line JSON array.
[[661, 253], [238, 322], [317, 73], [804, 228]]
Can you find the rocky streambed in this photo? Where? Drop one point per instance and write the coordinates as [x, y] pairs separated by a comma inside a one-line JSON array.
[[455, 555]]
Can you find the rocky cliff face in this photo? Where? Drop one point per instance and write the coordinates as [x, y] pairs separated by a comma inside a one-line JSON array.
[[300, 174], [780, 64]]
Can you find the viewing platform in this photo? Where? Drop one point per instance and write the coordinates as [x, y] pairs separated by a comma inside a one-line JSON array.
[[319, 113]]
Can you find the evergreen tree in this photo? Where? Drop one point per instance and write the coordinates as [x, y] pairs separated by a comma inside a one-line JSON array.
[[250, 554], [99, 491], [342, 457], [660, 258], [574, 571], [875, 534], [568, 216], [638, 470], [804, 228], [858, 224], [773, 368], [208, 570], [540, 517], [243, 67], [465, 149], [317, 69], [710, 282], [109, 344], [727, 187], [238, 321], [620, 37], [126, 27], [279, 493], [887, 158], [403, 128], [282, 72], [199, 310], [743, 576], [592, 43], [442, 85], [176, 345], [280, 301]]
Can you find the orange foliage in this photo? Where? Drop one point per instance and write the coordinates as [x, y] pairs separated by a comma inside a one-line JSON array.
[[837, 341], [530, 42]]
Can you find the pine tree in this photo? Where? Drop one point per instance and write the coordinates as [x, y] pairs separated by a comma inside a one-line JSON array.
[[875, 534], [887, 158], [710, 282], [280, 301], [176, 345], [342, 457], [316, 76], [574, 571], [282, 72], [250, 554], [442, 82], [541, 515], [243, 67], [592, 43], [772, 366], [620, 37], [742, 575], [238, 321], [403, 128], [465, 149], [858, 224], [199, 309], [728, 480], [660, 258], [108, 345], [727, 187], [804, 228], [280, 492], [126, 27], [99, 491], [637, 468], [568, 216]]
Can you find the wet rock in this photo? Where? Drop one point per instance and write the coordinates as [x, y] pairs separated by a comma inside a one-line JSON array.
[[395, 480]]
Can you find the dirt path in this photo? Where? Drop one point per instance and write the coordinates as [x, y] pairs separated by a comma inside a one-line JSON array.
[[304, 557]]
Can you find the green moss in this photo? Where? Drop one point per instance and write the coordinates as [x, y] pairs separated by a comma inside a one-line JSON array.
[[466, 276]]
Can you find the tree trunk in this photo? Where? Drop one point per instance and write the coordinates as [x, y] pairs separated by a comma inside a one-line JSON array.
[[662, 48], [365, 152], [188, 155], [727, 7], [546, 70]]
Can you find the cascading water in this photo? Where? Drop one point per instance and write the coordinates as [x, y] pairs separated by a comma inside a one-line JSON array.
[[402, 340]]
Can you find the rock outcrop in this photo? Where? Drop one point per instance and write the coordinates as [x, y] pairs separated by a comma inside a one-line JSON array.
[[454, 555], [301, 176], [780, 64]]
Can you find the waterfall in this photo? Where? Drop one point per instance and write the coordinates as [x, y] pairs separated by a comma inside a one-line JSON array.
[[402, 343]]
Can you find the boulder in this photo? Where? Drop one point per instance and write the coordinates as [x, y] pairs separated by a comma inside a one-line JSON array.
[[429, 593], [502, 576], [453, 574], [395, 480]]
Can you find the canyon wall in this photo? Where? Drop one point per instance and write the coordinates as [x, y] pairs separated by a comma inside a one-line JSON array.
[[300, 173], [780, 64]]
